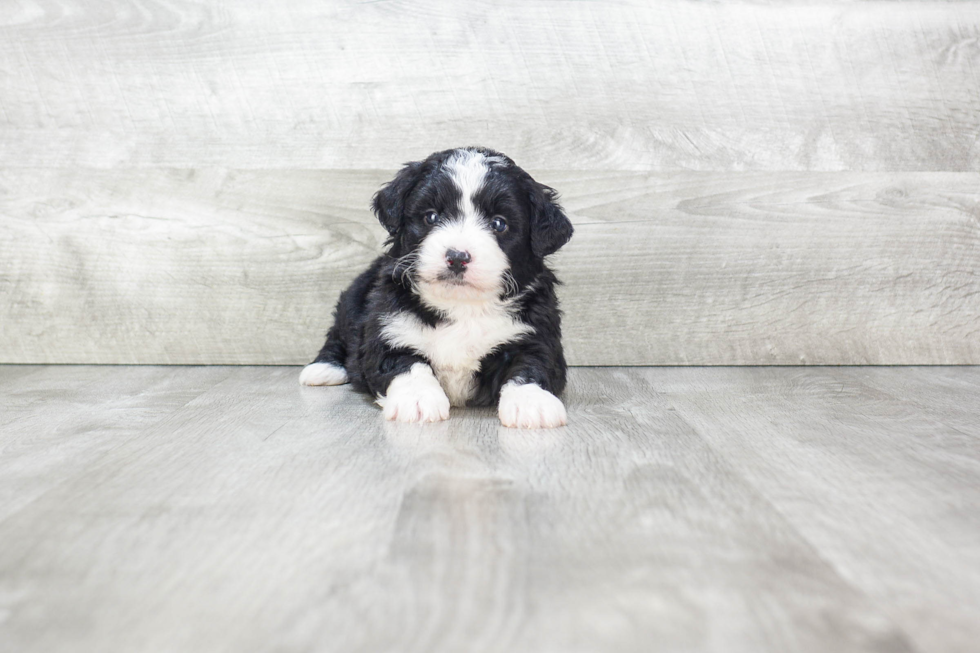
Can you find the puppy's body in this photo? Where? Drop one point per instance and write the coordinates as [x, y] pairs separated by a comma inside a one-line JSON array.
[[461, 309]]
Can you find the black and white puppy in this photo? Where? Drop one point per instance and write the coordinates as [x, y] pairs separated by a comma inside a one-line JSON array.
[[461, 309]]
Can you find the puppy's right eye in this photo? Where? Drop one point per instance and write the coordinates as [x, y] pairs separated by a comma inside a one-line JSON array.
[[431, 217]]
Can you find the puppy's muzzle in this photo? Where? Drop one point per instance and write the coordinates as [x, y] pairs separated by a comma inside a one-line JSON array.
[[456, 261]]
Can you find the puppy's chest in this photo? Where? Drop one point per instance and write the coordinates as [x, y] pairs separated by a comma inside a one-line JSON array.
[[455, 348]]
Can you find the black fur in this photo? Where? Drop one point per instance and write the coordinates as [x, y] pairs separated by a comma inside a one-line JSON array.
[[537, 227]]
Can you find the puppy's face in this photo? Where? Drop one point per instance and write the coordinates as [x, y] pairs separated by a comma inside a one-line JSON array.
[[469, 225]]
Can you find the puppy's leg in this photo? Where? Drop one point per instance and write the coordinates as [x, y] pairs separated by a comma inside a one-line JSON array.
[[328, 368], [323, 374], [529, 406], [415, 396]]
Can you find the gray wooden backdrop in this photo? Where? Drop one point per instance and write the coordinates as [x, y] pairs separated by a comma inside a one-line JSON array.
[[751, 183]]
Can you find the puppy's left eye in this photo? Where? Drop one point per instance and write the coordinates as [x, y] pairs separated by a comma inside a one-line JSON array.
[[498, 224], [431, 217]]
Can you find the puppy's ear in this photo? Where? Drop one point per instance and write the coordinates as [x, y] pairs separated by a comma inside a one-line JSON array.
[[550, 229], [389, 202]]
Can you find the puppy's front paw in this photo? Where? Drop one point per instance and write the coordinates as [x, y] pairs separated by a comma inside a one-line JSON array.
[[415, 396], [530, 406]]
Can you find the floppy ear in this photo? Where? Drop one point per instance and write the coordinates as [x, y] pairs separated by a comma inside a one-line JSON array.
[[550, 229], [389, 202]]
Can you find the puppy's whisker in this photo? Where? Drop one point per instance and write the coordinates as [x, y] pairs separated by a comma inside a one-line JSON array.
[[509, 284], [408, 279], [403, 268]]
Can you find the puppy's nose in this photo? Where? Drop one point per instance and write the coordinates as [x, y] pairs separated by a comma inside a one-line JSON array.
[[457, 260]]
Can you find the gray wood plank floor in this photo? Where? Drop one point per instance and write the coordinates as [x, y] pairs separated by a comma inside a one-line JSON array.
[[683, 509]]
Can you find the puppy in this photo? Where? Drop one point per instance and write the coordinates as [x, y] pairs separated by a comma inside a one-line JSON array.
[[461, 309]]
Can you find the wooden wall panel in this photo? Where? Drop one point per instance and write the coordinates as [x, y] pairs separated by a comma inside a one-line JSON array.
[[221, 266], [590, 85]]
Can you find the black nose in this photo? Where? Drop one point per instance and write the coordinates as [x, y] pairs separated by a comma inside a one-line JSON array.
[[457, 260]]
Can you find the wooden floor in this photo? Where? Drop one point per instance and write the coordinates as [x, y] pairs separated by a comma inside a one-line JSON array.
[[684, 509]]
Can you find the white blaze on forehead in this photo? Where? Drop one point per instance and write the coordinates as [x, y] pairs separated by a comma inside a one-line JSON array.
[[468, 170]]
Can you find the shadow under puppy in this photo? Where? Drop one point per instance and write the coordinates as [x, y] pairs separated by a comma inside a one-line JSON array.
[[461, 309]]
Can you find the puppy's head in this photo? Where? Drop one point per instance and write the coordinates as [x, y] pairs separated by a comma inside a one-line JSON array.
[[469, 225]]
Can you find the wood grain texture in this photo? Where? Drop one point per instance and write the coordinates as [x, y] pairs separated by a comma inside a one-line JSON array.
[[889, 486], [45, 434], [610, 85], [230, 509], [244, 267]]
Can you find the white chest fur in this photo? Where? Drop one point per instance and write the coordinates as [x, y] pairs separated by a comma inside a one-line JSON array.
[[454, 347]]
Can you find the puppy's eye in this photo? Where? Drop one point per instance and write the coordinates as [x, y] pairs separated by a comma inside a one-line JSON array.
[[498, 224], [431, 217]]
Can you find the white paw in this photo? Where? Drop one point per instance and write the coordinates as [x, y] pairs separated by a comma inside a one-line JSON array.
[[415, 396], [529, 406], [323, 374]]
